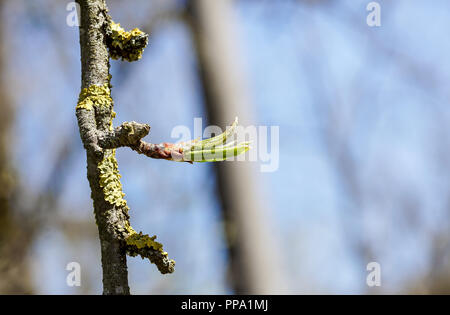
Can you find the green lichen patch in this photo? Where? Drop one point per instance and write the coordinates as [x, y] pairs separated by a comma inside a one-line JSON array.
[[126, 45], [110, 180], [146, 247], [144, 241], [95, 96]]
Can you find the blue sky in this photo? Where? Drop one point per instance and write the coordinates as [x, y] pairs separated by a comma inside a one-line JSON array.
[[299, 60]]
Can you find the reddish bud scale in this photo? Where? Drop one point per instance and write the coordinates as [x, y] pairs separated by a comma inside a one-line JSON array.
[[166, 151]]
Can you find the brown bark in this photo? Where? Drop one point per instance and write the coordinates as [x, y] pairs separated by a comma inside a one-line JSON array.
[[95, 71], [99, 38]]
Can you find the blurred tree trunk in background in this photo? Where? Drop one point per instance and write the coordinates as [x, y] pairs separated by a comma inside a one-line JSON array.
[[254, 259], [14, 239]]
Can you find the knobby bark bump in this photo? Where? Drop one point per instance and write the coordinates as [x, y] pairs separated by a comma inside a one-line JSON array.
[[100, 40]]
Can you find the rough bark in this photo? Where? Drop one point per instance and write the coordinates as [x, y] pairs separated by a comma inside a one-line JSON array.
[[95, 71], [100, 40]]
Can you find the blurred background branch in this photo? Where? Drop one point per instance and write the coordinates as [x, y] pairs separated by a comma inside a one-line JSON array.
[[363, 115]]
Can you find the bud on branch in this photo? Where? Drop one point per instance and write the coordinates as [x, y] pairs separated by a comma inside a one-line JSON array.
[[210, 150]]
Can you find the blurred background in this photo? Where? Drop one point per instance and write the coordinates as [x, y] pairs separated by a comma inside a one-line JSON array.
[[364, 152]]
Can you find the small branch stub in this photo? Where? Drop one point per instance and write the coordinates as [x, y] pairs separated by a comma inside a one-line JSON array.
[[125, 45], [126, 135], [210, 150], [101, 39]]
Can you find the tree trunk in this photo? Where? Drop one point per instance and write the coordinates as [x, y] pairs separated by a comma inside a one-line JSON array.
[[16, 232], [254, 258], [95, 72]]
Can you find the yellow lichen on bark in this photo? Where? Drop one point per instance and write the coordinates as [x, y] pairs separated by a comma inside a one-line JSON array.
[[141, 240], [100, 96], [95, 96], [110, 180], [126, 45]]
